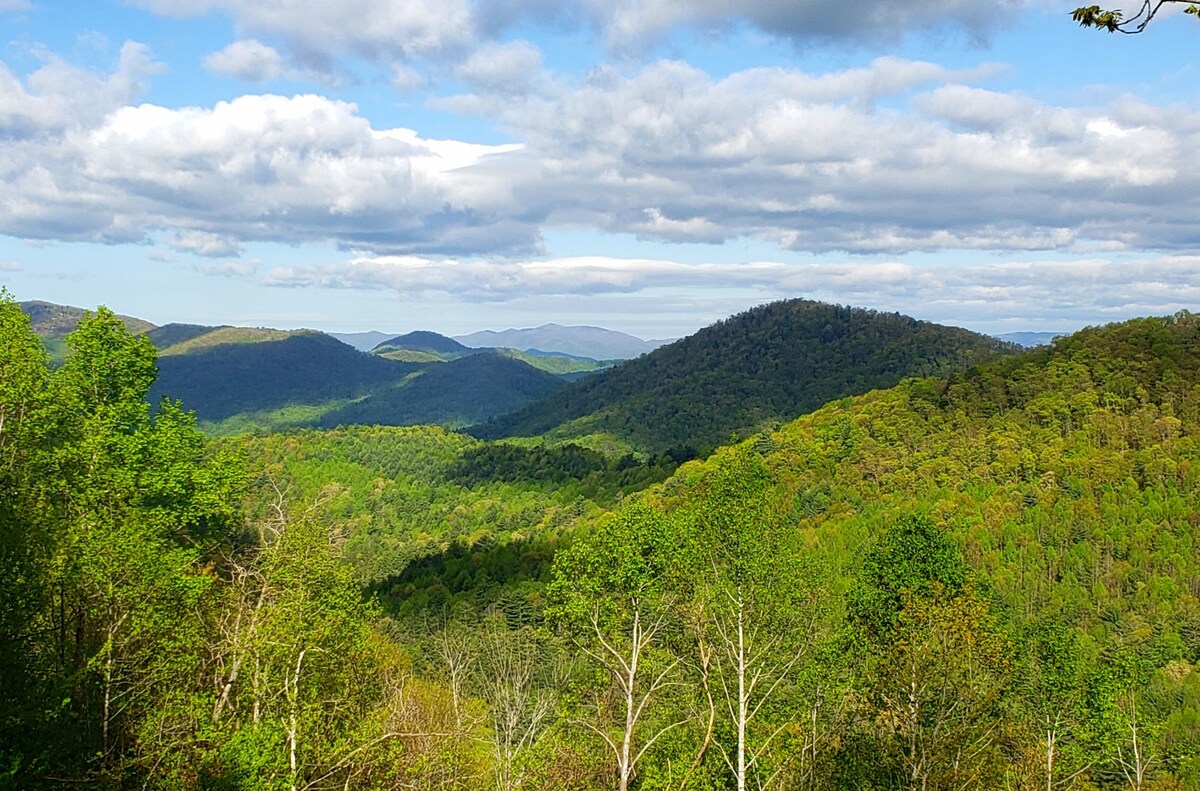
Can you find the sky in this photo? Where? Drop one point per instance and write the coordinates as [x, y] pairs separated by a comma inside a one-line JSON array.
[[650, 166]]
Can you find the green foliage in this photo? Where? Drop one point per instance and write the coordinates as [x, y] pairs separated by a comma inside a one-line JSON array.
[[1115, 21], [772, 362]]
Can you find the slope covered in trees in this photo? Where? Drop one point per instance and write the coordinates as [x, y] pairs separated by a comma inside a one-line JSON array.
[[770, 363], [984, 581], [309, 379]]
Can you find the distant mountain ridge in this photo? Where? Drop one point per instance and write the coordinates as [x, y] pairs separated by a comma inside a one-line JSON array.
[[1028, 339], [363, 341], [595, 343], [240, 379]]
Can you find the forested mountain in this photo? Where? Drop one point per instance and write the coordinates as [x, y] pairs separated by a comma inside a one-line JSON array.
[[52, 322], [223, 381], [770, 363], [169, 335], [594, 343], [423, 341], [460, 392], [986, 580]]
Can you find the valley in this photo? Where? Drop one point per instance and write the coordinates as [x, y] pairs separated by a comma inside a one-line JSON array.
[[944, 561]]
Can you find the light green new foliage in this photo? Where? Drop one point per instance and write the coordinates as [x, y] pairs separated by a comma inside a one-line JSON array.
[[24, 532], [759, 606], [614, 598]]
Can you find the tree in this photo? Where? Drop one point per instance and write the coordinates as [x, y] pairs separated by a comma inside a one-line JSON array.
[[759, 603], [1053, 697], [612, 596], [1114, 20], [940, 689]]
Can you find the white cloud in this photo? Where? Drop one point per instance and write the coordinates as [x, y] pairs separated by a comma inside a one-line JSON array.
[[318, 30], [806, 162], [15, 5], [248, 59], [296, 169], [209, 245], [510, 68], [58, 96], [814, 163], [10, 266], [1021, 293]]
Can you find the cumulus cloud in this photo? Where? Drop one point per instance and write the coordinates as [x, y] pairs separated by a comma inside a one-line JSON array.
[[318, 30], [894, 157], [275, 168], [209, 245], [1023, 293], [503, 69], [248, 59], [816, 163], [58, 96]]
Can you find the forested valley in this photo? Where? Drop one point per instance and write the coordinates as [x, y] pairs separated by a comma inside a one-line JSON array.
[[983, 579]]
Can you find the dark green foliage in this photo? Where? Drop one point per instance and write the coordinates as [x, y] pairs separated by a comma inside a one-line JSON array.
[[305, 368], [168, 335], [913, 558], [457, 393], [775, 361], [569, 467], [423, 341]]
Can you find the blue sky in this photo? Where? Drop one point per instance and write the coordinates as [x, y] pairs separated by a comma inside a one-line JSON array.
[[647, 166]]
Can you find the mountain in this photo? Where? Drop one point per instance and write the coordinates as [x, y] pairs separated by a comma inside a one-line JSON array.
[[460, 392], [1009, 546], [363, 341], [52, 323], [773, 362], [50, 320], [168, 335], [594, 343], [310, 368], [423, 341], [1028, 339]]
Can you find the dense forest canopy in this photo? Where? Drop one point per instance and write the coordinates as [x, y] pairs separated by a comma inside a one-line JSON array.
[[771, 363], [988, 579]]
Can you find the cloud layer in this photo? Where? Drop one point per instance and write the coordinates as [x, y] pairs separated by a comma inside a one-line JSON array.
[[1034, 293], [895, 157]]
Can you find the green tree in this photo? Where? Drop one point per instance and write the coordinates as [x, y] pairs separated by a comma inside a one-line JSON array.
[[612, 595], [1115, 21], [760, 602]]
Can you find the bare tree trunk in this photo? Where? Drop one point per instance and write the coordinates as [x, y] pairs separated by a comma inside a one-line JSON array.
[[293, 720]]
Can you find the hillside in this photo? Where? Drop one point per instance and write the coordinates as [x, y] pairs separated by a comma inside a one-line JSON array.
[[169, 335], [984, 581], [423, 341], [52, 322], [189, 339], [774, 362], [456, 393], [222, 381]]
